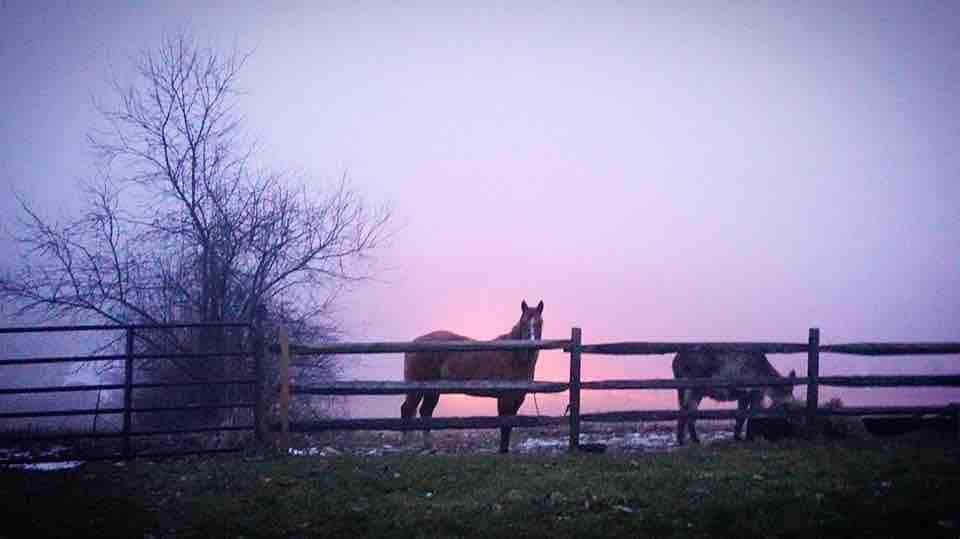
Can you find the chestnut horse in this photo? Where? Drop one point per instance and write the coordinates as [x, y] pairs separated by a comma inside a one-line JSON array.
[[480, 365]]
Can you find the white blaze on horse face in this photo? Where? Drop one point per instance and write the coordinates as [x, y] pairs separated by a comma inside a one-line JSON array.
[[533, 334]]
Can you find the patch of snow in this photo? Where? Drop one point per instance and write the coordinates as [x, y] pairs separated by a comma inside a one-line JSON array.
[[314, 452], [49, 466], [531, 444], [649, 440], [606, 439]]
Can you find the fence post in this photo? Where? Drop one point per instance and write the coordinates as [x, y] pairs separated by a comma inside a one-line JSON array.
[[575, 389], [128, 396], [955, 408], [813, 375], [284, 388], [259, 395]]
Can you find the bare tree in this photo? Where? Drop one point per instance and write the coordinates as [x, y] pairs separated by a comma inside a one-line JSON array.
[[180, 224]]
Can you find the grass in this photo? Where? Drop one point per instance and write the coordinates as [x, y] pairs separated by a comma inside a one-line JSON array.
[[793, 489]]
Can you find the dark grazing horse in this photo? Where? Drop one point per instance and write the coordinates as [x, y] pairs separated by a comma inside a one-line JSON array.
[[705, 363], [480, 365]]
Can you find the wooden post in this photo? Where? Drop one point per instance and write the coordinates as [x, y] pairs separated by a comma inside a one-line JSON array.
[[128, 396], [259, 395], [955, 407], [813, 375], [575, 389], [284, 388]]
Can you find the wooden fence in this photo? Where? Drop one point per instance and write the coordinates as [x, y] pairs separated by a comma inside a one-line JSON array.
[[129, 358], [574, 386], [574, 347]]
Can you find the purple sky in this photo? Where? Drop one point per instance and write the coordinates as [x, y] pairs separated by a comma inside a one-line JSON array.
[[677, 171]]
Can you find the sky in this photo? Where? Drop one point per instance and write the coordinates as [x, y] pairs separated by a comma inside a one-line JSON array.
[[692, 171]]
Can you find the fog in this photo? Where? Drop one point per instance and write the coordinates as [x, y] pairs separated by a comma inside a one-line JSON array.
[[688, 171]]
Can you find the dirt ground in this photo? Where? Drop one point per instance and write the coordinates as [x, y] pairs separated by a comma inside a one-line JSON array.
[[610, 437]]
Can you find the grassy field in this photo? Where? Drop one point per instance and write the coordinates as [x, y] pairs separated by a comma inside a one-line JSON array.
[[794, 489]]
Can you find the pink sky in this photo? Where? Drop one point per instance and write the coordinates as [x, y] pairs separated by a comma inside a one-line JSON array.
[[688, 171]]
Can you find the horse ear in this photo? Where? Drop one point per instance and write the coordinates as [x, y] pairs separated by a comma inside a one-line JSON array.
[[523, 306], [540, 307]]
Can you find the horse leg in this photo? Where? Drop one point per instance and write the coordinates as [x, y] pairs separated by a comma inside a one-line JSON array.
[[408, 410], [743, 404], [753, 402], [681, 421], [507, 406], [693, 404], [430, 401]]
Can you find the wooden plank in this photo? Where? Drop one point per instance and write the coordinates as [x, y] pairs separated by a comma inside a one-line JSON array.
[[439, 386], [108, 327], [574, 409], [60, 413], [892, 349], [884, 410], [955, 409], [193, 430], [50, 436], [60, 359], [685, 383], [432, 346], [154, 385], [192, 407], [434, 423], [672, 415], [659, 348], [890, 381], [108, 411], [59, 389], [813, 373], [833, 381], [117, 357], [114, 387]]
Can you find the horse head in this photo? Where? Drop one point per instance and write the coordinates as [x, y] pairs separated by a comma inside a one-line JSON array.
[[782, 394], [530, 326]]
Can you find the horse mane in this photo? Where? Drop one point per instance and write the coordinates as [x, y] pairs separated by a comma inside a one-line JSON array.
[[515, 333], [765, 365]]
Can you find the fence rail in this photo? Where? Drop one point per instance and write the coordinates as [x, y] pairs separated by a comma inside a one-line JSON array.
[[439, 423], [112, 327], [660, 348], [128, 387], [893, 349], [835, 381], [400, 388], [432, 346], [671, 415]]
